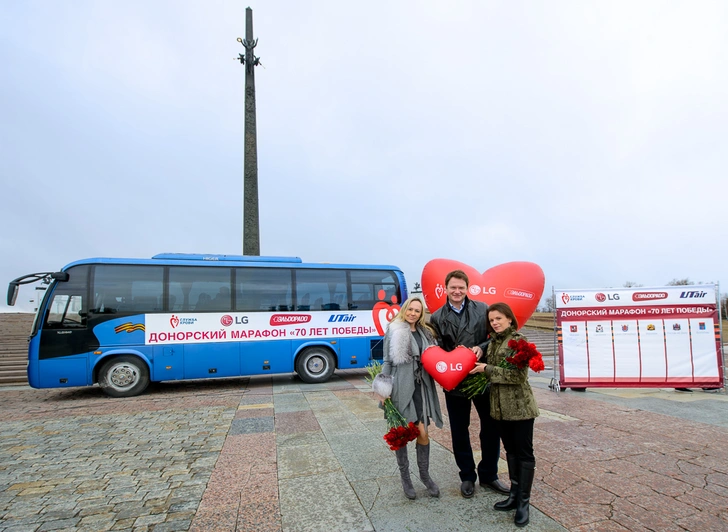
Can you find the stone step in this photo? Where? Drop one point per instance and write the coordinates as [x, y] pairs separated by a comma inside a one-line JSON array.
[[14, 331], [6, 380], [18, 373], [15, 369], [6, 363]]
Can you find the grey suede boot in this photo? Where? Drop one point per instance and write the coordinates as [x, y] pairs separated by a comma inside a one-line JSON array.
[[403, 463], [423, 463]]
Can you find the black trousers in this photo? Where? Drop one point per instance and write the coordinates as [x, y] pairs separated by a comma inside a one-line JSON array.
[[458, 410], [517, 439]]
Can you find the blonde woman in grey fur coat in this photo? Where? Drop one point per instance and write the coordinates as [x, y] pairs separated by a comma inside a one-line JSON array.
[[410, 387]]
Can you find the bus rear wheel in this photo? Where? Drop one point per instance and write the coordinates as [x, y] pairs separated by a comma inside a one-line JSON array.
[[315, 364], [124, 376]]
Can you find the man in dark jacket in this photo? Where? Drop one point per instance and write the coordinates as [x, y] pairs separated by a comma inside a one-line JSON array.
[[461, 321]]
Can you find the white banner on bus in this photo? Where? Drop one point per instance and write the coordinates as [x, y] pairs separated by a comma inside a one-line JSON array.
[[257, 326], [655, 337]]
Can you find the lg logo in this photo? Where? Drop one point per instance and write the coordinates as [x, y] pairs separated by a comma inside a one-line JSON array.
[[602, 298], [441, 366], [476, 290]]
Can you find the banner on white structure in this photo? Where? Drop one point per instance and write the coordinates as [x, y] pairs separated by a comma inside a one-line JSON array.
[[639, 337]]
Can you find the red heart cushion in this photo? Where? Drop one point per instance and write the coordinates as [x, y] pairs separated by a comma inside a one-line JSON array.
[[448, 369], [519, 284]]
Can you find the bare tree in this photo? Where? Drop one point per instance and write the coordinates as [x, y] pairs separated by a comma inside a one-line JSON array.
[[632, 284], [679, 282], [550, 304]]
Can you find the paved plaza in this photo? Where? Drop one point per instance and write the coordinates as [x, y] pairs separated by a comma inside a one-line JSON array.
[[277, 454]]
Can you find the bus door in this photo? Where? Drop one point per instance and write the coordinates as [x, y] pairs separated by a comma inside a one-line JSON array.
[[65, 339]]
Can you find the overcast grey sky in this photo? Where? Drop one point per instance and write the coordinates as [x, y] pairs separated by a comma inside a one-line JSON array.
[[587, 137]]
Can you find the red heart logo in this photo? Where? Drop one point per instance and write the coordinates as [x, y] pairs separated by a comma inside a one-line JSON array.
[[448, 369], [519, 284]]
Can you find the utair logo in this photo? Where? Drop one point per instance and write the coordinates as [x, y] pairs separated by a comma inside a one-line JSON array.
[[694, 293], [342, 317]]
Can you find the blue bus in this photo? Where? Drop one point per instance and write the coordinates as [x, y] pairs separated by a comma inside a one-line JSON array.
[[123, 323]]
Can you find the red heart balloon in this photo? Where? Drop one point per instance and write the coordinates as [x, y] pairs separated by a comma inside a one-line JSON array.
[[519, 284], [448, 368]]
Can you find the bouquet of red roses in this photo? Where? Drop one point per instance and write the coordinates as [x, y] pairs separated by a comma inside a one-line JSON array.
[[400, 432], [524, 355]]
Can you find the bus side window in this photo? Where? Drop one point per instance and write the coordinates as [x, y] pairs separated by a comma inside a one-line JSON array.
[[203, 302], [65, 311], [110, 305], [145, 304], [305, 303], [264, 289], [222, 300]]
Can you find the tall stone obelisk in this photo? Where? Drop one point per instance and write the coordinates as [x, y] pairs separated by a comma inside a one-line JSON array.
[[251, 221]]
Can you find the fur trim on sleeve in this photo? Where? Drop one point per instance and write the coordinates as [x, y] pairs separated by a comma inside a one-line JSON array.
[[400, 343], [382, 385]]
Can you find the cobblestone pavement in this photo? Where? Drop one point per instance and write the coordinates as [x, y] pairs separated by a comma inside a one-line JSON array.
[[276, 454]]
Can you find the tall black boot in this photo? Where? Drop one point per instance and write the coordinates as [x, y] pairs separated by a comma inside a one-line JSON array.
[[423, 463], [525, 481], [403, 463], [513, 472]]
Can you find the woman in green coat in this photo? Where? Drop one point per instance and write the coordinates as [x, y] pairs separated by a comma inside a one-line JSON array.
[[513, 405]]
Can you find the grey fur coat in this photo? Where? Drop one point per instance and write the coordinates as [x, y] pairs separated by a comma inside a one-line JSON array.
[[397, 378]]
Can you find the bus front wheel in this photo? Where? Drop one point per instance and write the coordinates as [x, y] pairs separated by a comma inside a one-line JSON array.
[[124, 376], [315, 364]]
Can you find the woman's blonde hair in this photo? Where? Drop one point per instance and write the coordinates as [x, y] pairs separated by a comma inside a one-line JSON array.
[[420, 322]]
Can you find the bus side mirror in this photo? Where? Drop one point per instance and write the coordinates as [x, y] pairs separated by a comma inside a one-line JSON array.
[[12, 293], [60, 276]]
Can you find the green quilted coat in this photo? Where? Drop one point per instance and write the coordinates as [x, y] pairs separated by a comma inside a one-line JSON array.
[[511, 397]]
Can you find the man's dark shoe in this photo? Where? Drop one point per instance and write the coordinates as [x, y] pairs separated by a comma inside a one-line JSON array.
[[467, 489], [496, 486]]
